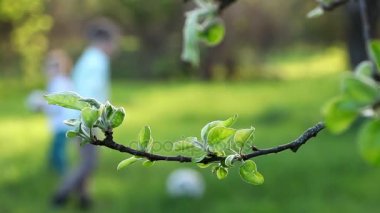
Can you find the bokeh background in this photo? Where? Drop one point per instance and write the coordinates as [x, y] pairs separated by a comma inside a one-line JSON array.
[[275, 69]]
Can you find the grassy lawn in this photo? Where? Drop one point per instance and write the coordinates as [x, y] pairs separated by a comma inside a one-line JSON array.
[[326, 175]]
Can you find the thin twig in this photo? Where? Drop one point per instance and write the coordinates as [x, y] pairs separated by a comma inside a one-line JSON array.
[[294, 146], [331, 6]]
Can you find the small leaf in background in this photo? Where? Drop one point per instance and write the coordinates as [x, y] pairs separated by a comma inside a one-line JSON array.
[[361, 90], [316, 12], [71, 122], [249, 173], [339, 114], [71, 134], [117, 117], [226, 123], [219, 135], [92, 102], [127, 162], [375, 52], [242, 136], [190, 49], [203, 166], [369, 141], [69, 100], [213, 33], [187, 143], [364, 69], [108, 110], [229, 160], [148, 163], [221, 172], [145, 139], [90, 116]]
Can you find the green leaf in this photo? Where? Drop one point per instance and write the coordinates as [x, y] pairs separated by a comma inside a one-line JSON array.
[[242, 136], [145, 139], [117, 117], [249, 173], [340, 113], [375, 52], [316, 12], [92, 102], [219, 135], [364, 69], [148, 163], [190, 50], [369, 141], [71, 134], [69, 100], [229, 160], [72, 122], [226, 123], [187, 143], [127, 162], [213, 33], [90, 116], [203, 166], [361, 90], [221, 172]]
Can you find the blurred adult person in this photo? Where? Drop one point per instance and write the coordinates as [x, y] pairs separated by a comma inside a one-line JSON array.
[[91, 77]]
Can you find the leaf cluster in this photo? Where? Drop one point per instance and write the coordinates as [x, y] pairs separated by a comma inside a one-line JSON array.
[[360, 97]]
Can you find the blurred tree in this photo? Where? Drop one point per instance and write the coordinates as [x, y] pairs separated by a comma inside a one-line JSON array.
[[30, 25], [355, 39]]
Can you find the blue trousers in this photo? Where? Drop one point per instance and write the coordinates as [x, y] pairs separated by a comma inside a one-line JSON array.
[[58, 152]]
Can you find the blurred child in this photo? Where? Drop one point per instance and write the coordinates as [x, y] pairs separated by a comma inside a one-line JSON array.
[[58, 66]]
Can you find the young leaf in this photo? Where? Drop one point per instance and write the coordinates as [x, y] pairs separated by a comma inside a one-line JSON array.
[[369, 142], [226, 123], [229, 160], [203, 166], [187, 143], [249, 173], [148, 163], [340, 113], [127, 162], [375, 52], [117, 117], [242, 136], [219, 135], [316, 12], [92, 102], [364, 69], [71, 134], [89, 116], [71, 122], [190, 49], [145, 139], [221, 172], [69, 100], [213, 32], [361, 90]]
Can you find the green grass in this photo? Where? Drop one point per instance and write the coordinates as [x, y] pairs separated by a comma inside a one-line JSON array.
[[326, 175]]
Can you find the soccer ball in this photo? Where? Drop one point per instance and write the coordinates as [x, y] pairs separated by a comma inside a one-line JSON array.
[[185, 183]]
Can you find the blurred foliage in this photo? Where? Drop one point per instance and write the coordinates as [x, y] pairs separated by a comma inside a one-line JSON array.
[[151, 45], [30, 25]]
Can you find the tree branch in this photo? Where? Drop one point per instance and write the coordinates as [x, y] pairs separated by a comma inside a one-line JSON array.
[[331, 6], [294, 146]]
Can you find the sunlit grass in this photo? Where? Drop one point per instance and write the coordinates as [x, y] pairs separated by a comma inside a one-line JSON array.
[[326, 175]]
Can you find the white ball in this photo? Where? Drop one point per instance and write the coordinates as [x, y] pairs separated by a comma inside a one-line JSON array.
[[185, 183], [35, 100]]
